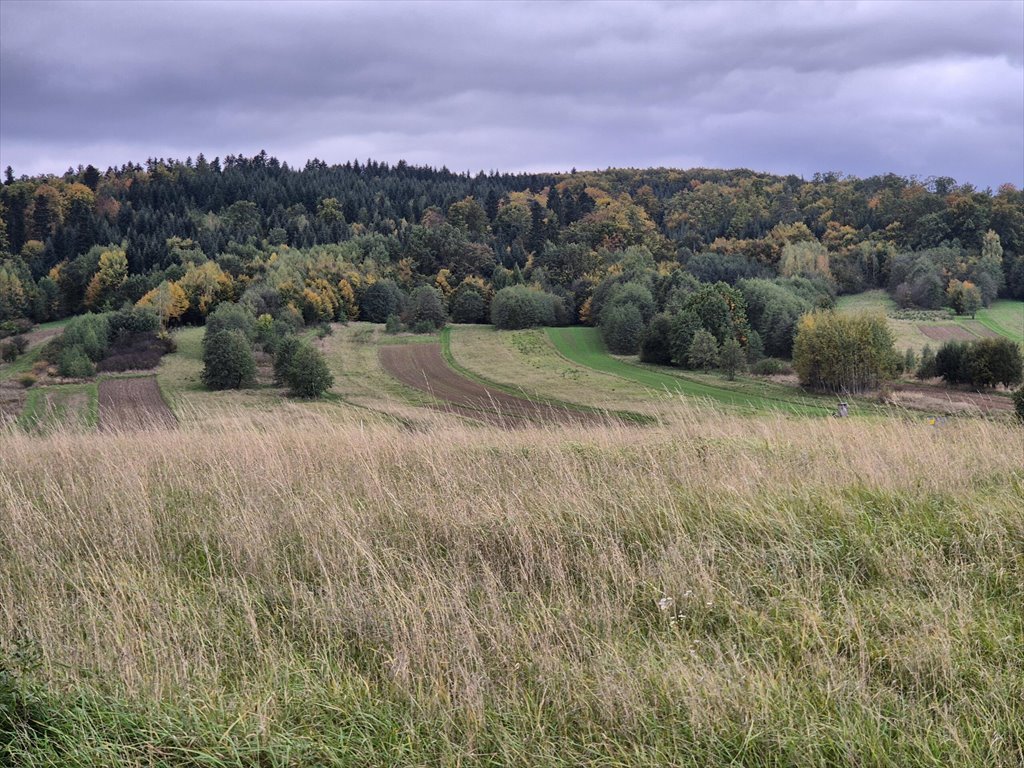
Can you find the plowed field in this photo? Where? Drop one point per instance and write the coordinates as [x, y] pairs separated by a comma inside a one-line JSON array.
[[421, 366], [134, 403]]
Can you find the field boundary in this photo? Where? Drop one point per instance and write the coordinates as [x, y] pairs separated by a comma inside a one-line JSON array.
[[516, 391]]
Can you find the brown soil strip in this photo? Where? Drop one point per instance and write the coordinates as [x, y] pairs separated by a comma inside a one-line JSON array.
[[946, 333], [422, 367], [980, 330], [134, 403], [948, 400]]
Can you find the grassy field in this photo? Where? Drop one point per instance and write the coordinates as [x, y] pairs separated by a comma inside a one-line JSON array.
[[1004, 317], [304, 587], [584, 347], [60, 406]]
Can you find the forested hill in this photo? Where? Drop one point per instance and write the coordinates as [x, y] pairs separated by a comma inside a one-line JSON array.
[[320, 235]]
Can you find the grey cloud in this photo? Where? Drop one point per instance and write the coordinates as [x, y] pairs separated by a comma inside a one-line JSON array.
[[915, 88]]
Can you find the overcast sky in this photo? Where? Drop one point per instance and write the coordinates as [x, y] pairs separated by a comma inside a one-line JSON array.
[[922, 88]]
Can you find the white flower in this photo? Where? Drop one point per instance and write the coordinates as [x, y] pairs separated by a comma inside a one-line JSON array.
[[666, 602]]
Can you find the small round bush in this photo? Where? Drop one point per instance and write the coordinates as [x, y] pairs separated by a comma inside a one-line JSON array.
[[228, 362], [308, 374], [27, 380], [75, 364], [285, 350], [1018, 404], [468, 306]]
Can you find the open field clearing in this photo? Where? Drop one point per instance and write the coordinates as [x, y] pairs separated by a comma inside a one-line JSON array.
[[584, 347], [527, 362], [303, 587], [1003, 318], [132, 403], [422, 366]]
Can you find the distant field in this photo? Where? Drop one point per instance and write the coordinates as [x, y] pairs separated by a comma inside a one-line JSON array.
[[1003, 318]]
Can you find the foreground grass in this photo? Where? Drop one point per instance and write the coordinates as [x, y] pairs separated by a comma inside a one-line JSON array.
[[288, 589]]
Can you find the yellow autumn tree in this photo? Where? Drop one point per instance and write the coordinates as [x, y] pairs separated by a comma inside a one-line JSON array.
[[12, 295], [110, 275], [168, 300], [205, 286], [347, 295]]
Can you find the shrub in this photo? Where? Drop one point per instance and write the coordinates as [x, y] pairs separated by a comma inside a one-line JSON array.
[[844, 352], [703, 352], [27, 380], [910, 361], [771, 366], [228, 362], [284, 351], [621, 326], [14, 327], [425, 312], [308, 374], [380, 300], [1018, 404], [130, 321], [682, 328], [20, 343], [926, 365], [89, 332], [654, 343], [75, 364], [520, 307], [135, 352], [468, 306], [755, 347], [994, 361], [8, 352], [731, 358], [951, 362], [393, 324], [231, 317], [630, 294], [982, 364]]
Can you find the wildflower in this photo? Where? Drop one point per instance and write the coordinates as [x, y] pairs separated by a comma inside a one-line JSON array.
[[665, 603]]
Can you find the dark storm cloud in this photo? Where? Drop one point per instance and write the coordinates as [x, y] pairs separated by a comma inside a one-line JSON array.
[[916, 88]]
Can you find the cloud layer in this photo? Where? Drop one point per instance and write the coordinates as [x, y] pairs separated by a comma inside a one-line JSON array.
[[863, 88]]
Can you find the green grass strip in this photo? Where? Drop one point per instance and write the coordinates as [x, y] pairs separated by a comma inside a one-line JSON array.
[[1001, 318], [583, 346]]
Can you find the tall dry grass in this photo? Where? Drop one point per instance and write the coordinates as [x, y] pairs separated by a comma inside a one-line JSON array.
[[293, 589]]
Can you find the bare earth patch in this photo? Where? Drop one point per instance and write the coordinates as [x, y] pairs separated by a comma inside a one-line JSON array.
[[422, 367], [134, 403], [946, 333], [945, 400]]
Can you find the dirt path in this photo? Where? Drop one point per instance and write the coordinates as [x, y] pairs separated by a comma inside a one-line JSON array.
[[422, 367], [134, 403]]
